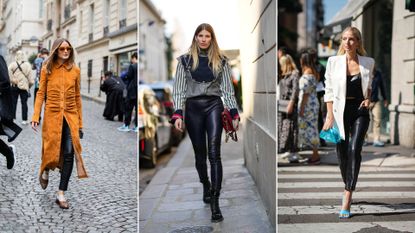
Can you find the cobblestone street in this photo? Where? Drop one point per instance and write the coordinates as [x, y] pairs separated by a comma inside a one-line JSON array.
[[104, 202]]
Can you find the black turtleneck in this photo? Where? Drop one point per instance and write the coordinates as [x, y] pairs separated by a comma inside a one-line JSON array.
[[203, 73]]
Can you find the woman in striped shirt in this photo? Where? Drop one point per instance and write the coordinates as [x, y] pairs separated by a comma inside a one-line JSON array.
[[203, 76]]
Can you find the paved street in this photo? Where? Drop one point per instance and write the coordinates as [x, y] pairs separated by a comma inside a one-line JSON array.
[[146, 174], [104, 202], [172, 202], [309, 197]]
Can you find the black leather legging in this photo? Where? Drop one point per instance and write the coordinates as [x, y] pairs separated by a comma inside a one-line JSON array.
[[203, 116], [356, 123], [68, 158]]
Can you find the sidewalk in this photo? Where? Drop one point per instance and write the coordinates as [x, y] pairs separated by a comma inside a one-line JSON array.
[[387, 156], [172, 202]]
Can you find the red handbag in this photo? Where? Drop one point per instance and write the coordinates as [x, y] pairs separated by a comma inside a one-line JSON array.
[[228, 126]]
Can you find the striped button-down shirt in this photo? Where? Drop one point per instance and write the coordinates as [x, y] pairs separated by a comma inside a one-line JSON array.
[[180, 87]]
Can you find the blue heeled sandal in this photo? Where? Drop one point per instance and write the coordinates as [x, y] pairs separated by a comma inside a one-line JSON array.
[[344, 214]]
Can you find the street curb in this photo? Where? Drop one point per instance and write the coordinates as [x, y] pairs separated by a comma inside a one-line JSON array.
[[155, 190], [93, 98]]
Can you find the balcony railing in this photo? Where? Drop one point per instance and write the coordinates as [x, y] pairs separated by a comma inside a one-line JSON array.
[[123, 23], [90, 37]]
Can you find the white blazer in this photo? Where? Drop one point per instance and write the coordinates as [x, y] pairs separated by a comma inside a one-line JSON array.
[[336, 84]]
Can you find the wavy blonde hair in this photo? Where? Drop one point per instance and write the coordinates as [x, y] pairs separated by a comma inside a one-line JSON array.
[[287, 65], [356, 33], [214, 54]]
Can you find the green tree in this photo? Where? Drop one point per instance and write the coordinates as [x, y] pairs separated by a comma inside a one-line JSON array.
[[169, 56]]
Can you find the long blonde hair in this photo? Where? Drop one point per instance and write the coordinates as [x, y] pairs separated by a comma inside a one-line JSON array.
[[287, 65], [356, 33], [214, 54]]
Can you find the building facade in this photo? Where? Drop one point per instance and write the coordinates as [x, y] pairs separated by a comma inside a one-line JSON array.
[[258, 68], [103, 33], [402, 104], [152, 59], [310, 22], [21, 27]]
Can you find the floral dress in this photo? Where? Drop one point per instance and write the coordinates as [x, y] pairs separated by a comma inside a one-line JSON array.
[[308, 135]]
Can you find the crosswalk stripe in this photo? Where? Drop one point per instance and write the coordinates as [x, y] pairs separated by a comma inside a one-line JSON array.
[[340, 184], [338, 195], [345, 227], [367, 175], [336, 169], [330, 209]]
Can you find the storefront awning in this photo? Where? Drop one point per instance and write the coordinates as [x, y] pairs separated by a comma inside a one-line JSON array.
[[352, 10]]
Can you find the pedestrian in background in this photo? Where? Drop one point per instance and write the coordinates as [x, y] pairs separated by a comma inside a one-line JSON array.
[[20, 72], [203, 75], [287, 120], [308, 107], [62, 124], [321, 70], [131, 97], [348, 90], [377, 98], [7, 126], [43, 55], [114, 88]]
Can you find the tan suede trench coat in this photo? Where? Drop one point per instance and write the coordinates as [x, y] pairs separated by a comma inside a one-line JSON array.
[[63, 100]]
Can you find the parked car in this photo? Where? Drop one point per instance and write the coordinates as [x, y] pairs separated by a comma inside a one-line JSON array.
[[164, 92], [154, 127]]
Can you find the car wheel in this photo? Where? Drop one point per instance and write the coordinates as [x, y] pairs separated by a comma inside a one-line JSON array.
[[153, 158]]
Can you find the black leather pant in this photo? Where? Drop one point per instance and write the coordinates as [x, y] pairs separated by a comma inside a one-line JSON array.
[[68, 156], [356, 123], [203, 117]]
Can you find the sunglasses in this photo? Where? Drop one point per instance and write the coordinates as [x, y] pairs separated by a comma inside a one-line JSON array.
[[61, 49]]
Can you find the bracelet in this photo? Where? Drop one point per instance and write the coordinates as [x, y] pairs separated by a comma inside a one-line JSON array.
[[177, 116]]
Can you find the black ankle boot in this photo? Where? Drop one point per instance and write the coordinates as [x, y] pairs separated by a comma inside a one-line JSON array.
[[214, 207], [206, 192]]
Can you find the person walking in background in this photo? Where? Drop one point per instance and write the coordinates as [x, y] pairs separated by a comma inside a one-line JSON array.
[[131, 98], [44, 53], [7, 126], [321, 70], [114, 88], [308, 107], [377, 98], [21, 80], [348, 90], [62, 124], [204, 75], [287, 120]]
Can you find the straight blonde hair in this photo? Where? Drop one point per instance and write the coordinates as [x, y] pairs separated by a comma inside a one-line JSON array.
[[214, 54], [356, 33], [287, 65]]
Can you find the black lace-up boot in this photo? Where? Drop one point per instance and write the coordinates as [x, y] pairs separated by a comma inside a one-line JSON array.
[[214, 206]]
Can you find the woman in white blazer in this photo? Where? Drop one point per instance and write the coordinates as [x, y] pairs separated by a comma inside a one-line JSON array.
[[348, 87]]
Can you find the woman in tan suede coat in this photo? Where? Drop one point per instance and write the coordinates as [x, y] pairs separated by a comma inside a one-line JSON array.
[[62, 121]]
